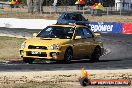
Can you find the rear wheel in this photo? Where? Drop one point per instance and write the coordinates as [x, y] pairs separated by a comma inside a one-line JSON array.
[[68, 56], [96, 54], [28, 60]]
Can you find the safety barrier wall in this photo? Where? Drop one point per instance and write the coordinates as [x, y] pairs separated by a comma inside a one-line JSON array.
[[106, 27], [103, 27], [25, 23]]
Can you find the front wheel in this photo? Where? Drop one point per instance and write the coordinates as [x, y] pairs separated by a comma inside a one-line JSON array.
[[68, 56], [28, 60]]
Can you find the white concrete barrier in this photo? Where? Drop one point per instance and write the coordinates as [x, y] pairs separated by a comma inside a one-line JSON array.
[[25, 23]]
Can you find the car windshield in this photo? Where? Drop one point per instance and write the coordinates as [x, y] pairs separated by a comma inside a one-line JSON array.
[[56, 32]]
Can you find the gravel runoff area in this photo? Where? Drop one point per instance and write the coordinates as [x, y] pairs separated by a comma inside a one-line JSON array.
[[58, 79], [63, 79]]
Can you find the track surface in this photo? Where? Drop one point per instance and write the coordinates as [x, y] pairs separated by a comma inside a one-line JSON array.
[[119, 57]]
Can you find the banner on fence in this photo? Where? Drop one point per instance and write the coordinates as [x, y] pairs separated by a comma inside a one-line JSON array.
[[106, 27], [127, 28]]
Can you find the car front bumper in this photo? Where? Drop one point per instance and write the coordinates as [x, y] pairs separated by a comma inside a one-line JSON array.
[[42, 54]]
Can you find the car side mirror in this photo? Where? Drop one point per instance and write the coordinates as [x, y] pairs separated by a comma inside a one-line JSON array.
[[77, 37], [34, 34], [97, 34]]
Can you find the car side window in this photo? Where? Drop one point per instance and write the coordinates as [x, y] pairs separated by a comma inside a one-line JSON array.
[[67, 17], [79, 32], [78, 17], [87, 33], [74, 17]]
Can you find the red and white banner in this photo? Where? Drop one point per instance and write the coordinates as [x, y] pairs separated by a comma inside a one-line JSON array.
[[127, 28]]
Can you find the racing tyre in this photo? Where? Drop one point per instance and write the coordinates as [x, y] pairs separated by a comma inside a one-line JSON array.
[[68, 56], [27, 60], [84, 81], [96, 54]]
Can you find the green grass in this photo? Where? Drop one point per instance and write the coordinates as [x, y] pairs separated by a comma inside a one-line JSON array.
[[9, 47]]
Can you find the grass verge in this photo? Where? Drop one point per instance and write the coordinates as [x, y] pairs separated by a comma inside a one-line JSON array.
[[9, 47]]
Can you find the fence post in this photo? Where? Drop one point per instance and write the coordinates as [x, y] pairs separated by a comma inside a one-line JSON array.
[[11, 9], [83, 10], [120, 11], [107, 11], [40, 7], [66, 8], [2, 7], [51, 9]]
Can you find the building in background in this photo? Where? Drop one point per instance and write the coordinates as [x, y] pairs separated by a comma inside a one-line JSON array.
[[123, 5]]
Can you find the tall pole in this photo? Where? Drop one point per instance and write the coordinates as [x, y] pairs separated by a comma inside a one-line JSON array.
[[54, 5], [40, 6]]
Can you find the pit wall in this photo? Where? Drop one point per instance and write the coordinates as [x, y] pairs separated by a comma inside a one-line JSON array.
[[103, 27]]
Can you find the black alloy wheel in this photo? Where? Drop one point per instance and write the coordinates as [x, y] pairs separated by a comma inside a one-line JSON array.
[[68, 56], [96, 54]]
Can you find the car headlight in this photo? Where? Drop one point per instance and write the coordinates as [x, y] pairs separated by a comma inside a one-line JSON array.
[[23, 45], [54, 47]]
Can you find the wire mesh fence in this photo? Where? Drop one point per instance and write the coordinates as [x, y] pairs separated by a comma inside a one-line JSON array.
[[51, 9]]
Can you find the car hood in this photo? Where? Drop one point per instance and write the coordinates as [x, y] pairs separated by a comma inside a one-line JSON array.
[[46, 41]]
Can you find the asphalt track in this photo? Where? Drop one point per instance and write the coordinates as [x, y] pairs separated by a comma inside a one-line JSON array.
[[119, 55]]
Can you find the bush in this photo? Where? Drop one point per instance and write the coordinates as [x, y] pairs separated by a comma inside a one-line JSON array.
[[23, 2]]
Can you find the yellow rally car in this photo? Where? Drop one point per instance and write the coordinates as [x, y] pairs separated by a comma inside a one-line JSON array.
[[62, 43]]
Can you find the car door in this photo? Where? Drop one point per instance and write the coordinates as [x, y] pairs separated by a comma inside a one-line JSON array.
[[78, 44], [89, 41]]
